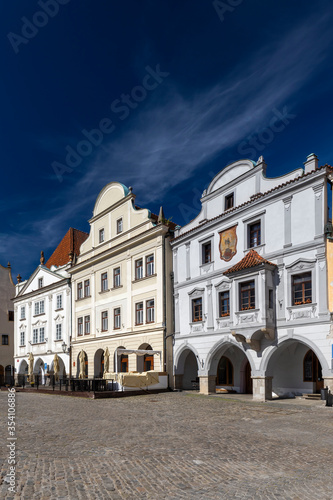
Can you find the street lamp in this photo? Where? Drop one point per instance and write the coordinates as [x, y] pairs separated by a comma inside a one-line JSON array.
[[64, 347]]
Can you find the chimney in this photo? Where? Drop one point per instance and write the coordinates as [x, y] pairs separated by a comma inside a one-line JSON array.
[[311, 163]]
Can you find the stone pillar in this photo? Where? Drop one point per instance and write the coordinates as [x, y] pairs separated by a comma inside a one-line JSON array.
[[328, 382], [319, 221], [287, 221], [188, 261], [207, 384], [179, 381], [262, 388], [210, 318]]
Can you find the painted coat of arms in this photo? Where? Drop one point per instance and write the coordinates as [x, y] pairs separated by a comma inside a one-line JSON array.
[[228, 243]]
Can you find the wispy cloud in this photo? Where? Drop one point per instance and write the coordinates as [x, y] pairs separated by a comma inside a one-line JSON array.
[[168, 142]]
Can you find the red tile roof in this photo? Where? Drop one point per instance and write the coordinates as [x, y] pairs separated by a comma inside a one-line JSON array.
[[251, 259], [71, 242]]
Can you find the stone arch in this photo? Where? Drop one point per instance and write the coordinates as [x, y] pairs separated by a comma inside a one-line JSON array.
[[146, 362], [269, 352], [285, 364], [99, 363], [120, 360], [186, 367], [218, 350], [62, 369], [39, 370]]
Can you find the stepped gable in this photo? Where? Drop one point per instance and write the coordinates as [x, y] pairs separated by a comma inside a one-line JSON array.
[[251, 259], [70, 244]]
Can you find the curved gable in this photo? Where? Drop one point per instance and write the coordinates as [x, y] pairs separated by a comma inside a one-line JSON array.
[[110, 194], [229, 173]]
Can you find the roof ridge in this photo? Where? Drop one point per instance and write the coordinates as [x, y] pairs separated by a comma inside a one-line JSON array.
[[251, 259]]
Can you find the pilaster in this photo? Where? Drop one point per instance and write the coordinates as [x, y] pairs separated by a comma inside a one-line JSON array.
[[207, 384], [262, 388]]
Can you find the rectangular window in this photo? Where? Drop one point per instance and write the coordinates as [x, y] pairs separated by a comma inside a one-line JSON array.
[[40, 282], [197, 310], [116, 277], [224, 304], [138, 269], [301, 289], [10, 315], [80, 326], [101, 235], [104, 321], [41, 335], [22, 338], [116, 318], [87, 288], [23, 312], [119, 226], [35, 336], [59, 301], [59, 331], [247, 296], [270, 299], [150, 265], [150, 311], [104, 282], [5, 340], [79, 291], [229, 201], [86, 325], [206, 253], [139, 313], [254, 235], [39, 307]]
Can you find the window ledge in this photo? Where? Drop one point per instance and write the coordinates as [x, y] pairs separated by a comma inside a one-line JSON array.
[[60, 309], [58, 340], [144, 278], [38, 343], [306, 304], [36, 315], [196, 322], [82, 298], [246, 311], [254, 248], [116, 287], [23, 319], [23, 345], [207, 264], [104, 291]]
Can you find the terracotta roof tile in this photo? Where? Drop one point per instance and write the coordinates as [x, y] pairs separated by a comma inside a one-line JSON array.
[[251, 259], [71, 242]]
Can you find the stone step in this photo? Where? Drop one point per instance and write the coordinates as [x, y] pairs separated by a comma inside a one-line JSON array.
[[312, 396]]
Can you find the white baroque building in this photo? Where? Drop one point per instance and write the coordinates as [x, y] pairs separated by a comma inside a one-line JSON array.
[[42, 325], [253, 278]]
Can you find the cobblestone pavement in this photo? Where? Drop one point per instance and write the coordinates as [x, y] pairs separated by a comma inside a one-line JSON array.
[[168, 446]]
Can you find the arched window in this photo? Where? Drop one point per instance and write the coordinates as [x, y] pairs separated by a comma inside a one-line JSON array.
[[225, 372], [311, 368]]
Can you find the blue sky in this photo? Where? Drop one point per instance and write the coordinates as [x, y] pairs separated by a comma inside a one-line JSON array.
[[172, 90]]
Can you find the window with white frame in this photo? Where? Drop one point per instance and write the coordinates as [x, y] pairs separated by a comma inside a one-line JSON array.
[[80, 326], [58, 331], [79, 291], [104, 282], [116, 318], [105, 324], [150, 265], [301, 289], [35, 336], [101, 235], [87, 288], [39, 307], [22, 338], [116, 277], [150, 311], [40, 282], [59, 301], [23, 312], [41, 335], [119, 226], [138, 269], [254, 234], [139, 313], [197, 309], [206, 252], [87, 325]]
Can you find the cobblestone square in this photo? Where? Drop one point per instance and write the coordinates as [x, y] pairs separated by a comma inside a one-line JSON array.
[[168, 446]]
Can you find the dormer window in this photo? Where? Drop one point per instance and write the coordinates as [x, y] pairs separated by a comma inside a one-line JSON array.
[[119, 226], [101, 235], [229, 201], [40, 282]]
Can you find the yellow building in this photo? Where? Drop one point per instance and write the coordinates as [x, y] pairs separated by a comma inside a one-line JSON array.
[[122, 291]]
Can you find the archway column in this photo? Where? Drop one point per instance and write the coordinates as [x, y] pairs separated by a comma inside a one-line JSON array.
[[328, 382], [262, 388], [207, 384], [179, 381]]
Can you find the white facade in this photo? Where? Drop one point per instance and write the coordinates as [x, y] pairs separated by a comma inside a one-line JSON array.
[[42, 321], [263, 328]]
